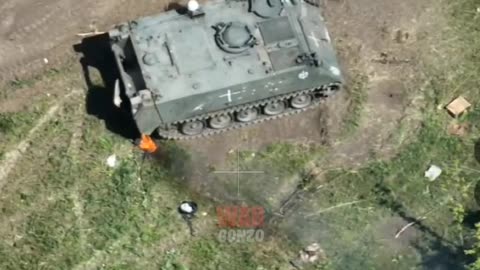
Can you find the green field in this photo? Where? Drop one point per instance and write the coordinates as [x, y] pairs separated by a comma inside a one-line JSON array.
[[63, 208]]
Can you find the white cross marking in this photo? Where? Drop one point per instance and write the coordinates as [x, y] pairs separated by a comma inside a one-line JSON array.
[[229, 95], [199, 107], [314, 38]]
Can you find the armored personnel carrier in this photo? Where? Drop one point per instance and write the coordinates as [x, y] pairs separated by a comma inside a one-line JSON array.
[[224, 65]]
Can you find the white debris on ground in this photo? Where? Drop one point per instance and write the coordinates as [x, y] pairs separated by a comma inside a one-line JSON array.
[[112, 161], [433, 172], [45, 60]]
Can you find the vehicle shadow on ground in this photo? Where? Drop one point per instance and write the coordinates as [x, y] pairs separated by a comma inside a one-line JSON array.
[[180, 9], [96, 54], [437, 252], [476, 150]]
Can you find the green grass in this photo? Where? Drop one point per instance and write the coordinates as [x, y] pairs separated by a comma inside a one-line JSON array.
[[284, 158], [119, 204], [397, 187], [70, 210], [15, 125], [59, 73], [17, 85], [23, 83], [357, 95]]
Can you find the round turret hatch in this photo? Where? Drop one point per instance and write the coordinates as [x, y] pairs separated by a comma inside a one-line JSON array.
[[234, 37], [150, 59]]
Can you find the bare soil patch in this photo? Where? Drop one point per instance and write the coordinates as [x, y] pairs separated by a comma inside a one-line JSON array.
[[35, 35]]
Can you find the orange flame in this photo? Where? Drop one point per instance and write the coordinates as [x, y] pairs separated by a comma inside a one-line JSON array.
[[147, 144]]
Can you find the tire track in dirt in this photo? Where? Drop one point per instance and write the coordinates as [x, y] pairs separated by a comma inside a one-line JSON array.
[[8, 225], [11, 158], [51, 26], [75, 141], [72, 151]]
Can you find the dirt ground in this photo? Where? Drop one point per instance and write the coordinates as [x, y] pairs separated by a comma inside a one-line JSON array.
[[39, 34]]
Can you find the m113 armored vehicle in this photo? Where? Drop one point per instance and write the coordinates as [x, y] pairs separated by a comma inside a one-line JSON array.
[[224, 65]]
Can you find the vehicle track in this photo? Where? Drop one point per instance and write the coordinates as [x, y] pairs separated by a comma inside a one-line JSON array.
[[315, 93]]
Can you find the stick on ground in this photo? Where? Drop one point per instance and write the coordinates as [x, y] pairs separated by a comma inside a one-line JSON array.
[[334, 207]]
